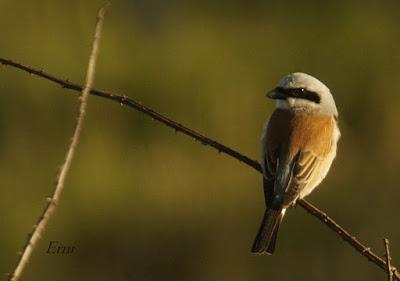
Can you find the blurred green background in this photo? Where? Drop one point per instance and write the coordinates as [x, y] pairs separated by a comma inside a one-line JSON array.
[[144, 203]]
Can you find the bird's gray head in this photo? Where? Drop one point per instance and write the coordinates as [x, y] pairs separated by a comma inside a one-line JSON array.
[[302, 91]]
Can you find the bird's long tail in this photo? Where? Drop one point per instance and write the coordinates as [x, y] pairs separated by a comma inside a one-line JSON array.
[[266, 236]]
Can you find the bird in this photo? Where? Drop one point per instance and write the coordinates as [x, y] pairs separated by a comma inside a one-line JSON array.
[[299, 144]]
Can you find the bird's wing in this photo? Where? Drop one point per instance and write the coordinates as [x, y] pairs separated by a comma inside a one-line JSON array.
[[264, 164], [269, 178], [305, 166], [268, 164]]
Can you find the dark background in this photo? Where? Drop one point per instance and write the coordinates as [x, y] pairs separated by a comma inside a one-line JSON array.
[[144, 203]]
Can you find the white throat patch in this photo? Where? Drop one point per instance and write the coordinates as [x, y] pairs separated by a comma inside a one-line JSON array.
[[293, 103]]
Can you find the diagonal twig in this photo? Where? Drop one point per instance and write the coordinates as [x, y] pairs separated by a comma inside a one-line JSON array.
[[388, 259], [346, 236], [52, 201], [123, 100]]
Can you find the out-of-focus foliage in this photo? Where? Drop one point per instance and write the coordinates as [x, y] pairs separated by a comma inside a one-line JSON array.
[[145, 203]]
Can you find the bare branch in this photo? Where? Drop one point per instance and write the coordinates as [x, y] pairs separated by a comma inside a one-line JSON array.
[[346, 236], [123, 100], [388, 260], [52, 201]]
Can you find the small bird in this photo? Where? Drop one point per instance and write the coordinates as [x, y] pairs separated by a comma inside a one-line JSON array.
[[298, 147]]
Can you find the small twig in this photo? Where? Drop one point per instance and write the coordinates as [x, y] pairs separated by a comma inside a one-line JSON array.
[[346, 236], [388, 260], [52, 201], [123, 100]]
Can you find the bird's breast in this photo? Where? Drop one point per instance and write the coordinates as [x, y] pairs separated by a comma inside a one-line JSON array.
[[296, 130]]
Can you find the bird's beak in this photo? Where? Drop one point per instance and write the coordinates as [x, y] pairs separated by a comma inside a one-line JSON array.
[[275, 94]]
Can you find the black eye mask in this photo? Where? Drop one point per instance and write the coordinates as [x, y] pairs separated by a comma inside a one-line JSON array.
[[299, 93]]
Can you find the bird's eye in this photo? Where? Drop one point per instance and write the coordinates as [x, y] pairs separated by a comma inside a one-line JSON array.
[[303, 93], [297, 92]]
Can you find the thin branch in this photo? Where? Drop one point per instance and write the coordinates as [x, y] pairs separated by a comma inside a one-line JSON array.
[[388, 260], [123, 100], [346, 236], [52, 201]]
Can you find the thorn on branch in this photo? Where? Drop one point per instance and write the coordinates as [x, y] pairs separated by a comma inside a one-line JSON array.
[[367, 250], [51, 201]]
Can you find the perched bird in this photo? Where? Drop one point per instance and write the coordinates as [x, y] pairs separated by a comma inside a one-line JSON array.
[[298, 147]]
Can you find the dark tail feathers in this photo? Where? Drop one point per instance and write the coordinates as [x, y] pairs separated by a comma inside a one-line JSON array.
[[266, 237]]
